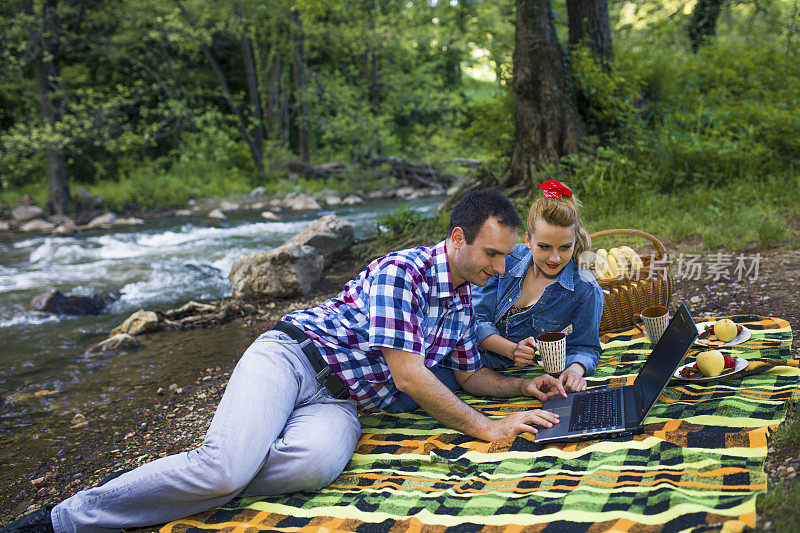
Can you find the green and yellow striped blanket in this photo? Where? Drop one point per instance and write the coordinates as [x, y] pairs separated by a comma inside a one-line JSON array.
[[698, 461]]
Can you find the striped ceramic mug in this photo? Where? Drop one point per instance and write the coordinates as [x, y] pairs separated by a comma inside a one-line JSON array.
[[656, 319], [553, 350]]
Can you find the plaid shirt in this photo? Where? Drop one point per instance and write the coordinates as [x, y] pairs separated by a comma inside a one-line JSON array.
[[404, 300]]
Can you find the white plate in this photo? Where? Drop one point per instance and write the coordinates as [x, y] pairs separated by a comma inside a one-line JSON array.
[[738, 339], [740, 365]]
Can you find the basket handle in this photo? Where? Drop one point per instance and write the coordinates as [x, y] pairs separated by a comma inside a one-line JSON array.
[[660, 249]]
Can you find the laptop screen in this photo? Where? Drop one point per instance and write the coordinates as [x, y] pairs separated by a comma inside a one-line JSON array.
[[665, 357]]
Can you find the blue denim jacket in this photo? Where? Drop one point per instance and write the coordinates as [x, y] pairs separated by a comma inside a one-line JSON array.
[[573, 298]]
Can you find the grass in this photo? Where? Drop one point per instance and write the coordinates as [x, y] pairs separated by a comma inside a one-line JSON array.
[[779, 504]]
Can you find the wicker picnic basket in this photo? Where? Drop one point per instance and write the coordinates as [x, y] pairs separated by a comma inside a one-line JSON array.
[[625, 296]]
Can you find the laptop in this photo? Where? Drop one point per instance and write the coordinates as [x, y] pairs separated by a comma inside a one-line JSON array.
[[618, 410]]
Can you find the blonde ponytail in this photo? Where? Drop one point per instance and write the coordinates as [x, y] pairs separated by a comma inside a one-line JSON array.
[[564, 211]]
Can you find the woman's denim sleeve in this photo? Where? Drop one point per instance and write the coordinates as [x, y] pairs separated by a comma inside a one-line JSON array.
[[583, 344], [484, 302]]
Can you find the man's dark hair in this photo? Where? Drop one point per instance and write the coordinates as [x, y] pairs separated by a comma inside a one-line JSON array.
[[477, 206]]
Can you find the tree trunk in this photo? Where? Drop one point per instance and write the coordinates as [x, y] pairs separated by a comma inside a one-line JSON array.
[[703, 23], [375, 94], [47, 70], [546, 121], [588, 24], [255, 150], [300, 86], [252, 92], [273, 102]]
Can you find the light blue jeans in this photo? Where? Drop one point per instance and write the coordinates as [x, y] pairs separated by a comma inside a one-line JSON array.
[[276, 430]]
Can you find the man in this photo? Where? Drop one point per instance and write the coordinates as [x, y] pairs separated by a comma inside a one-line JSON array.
[[288, 419]]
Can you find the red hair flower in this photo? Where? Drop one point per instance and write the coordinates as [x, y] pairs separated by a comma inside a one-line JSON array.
[[555, 189]]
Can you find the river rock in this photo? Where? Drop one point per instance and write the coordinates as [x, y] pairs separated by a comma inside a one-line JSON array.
[[183, 213], [405, 192], [120, 342], [37, 224], [377, 195], [329, 235], [87, 206], [55, 302], [216, 214], [139, 322], [225, 205], [332, 200], [22, 397], [67, 227], [190, 308], [58, 219], [353, 200], [302, 203], [286, 271], [258, 192], [5, 225], [24, 213], [269, 216], [129, 221], [102, 221]]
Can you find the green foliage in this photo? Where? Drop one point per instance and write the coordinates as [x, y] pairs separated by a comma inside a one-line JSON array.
[[780, 502], [403, 223], [491, 124], [778, 505], [150, 186], [605, 96]]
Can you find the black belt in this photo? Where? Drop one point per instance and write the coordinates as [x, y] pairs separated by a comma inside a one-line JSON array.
[[325, 375]]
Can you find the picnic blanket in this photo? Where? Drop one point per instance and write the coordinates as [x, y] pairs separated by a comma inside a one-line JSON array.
[[698, 462]]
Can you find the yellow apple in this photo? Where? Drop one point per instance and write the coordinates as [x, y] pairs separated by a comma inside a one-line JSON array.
[[711, 363], [726, 329]]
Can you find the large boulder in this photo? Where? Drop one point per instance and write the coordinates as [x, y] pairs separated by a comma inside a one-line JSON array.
[[330, 235], [87, 206], [287, 271], [55, 302], [139, 322], [24, 213]]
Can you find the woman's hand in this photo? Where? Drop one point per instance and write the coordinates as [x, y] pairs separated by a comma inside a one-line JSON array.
[[523, 353], [542, 386], [572, 378]]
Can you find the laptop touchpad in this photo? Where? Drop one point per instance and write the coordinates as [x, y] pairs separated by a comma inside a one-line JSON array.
[[560, 411]]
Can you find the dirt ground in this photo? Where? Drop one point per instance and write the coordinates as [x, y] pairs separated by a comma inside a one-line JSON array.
[[177, 420]]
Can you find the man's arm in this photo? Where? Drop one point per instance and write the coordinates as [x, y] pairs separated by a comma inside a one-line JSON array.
[[487, 382], [410, 376]]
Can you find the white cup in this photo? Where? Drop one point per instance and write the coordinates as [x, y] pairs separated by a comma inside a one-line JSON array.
[[553, 350], [656, 319]]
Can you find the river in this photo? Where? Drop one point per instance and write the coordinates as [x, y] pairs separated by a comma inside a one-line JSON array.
[[161, 264]]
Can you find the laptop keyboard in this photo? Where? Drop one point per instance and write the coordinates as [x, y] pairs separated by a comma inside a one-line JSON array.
[[596, 410]]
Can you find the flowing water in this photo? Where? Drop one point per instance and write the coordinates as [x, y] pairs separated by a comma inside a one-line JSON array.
[[44, 376]]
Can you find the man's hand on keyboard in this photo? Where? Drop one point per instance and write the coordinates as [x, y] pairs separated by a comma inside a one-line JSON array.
[[520, 422]]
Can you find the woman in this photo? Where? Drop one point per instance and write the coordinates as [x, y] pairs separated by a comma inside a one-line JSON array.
[[543, 290]]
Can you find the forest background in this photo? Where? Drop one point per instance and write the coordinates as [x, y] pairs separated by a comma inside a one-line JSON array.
[[677, 117], [688, 118]]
